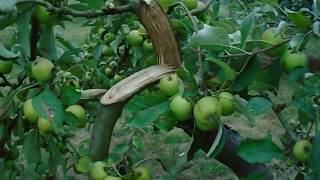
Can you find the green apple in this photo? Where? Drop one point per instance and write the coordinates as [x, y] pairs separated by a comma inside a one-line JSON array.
[[45, 125], [112, 178], [41, 69], [141, 173], [117, 78], [78, 111], [147, 45], [270, 37], [181, 108], [227, 103], [107, 51], [113, 64], [88, 76], [169, 85], [134, 38], [207, 112], [109, 37], [84, 164], [301, 150], [98, 172], [191, 4], [43, 15], [29, 112], [108, 71], [291, 60], [5, 67]]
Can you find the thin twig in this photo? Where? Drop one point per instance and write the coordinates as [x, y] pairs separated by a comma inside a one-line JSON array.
[[255, 52]]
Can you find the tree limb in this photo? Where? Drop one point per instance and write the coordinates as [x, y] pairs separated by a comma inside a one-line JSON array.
[[107, 10]]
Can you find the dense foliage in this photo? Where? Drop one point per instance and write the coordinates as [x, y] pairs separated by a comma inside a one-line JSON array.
[[235, 57]]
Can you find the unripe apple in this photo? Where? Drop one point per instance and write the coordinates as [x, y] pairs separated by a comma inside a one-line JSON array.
[[113, 64], [301, 150], [147, 45], [181, 108], [42, 69], [97, 172], [227, 103], [29, 111], [78, 111], [291, 60], [107, 51], [5, 67], [83, 165], [141, 173], [207, 112], [109, 37], [169, 85], [134, 38], [270, 37], [45, 125], [108, 71], [117, 78]]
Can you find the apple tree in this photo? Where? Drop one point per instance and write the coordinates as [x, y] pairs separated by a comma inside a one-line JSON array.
[[153, 66]]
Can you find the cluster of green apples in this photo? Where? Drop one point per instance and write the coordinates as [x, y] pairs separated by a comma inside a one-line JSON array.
[[98, 170], [289, 59], [42, 72], [206, 111], [46, 125]]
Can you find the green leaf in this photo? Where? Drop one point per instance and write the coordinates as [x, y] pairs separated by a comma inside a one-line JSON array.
[[6, 54], [258, 105], [296, 41], [229, 73], [139, 103], [146, 109], [315, 158], [97, 4], [241, 106], [166, 122], [218, 143], [214, 38], [259, 151], [48, 106], [24, 32], [69, 95], [272, 2], [246, 28], [32, 147], [247, 76], [145, 117], [305, 105], [47, 42], [256, 175], [299, 19], [316, 28]]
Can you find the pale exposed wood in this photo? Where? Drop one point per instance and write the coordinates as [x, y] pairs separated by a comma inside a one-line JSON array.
[[134, 83], [92, 93]]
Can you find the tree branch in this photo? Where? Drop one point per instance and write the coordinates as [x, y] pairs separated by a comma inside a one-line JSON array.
[[107, 10], [257, 51], [201, 9]]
